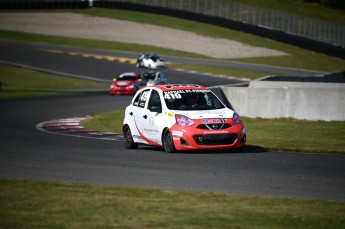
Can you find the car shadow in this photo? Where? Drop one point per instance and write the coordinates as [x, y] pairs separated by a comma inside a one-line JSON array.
[[247, 149]]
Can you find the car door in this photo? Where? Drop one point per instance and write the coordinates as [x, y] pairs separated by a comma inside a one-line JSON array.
[[137, 112], [146, 118]]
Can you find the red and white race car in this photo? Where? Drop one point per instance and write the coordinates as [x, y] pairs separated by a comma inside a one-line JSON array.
[[125, 84], [181, 117]]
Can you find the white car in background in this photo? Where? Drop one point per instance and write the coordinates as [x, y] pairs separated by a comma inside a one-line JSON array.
[[150, 60]]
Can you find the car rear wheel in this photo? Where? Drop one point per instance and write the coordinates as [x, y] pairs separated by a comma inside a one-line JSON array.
[[129, 143], [168, 142]]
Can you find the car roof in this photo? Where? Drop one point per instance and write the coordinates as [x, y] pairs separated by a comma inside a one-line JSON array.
[[129, 74], [174, 87]]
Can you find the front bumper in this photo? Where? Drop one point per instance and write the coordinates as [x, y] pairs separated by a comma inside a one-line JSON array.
[[192, 138], [122, 91]]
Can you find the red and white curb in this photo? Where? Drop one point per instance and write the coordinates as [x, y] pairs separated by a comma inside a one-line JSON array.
[[72, 127]]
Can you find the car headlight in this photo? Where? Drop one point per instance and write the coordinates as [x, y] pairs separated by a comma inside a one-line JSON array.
[[236, 119], [131, 85], [183, 120]]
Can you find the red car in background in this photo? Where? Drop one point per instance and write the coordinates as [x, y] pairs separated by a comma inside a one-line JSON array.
[[125, 84]]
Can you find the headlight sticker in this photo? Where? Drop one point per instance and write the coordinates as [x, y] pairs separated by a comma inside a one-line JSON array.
[[177, 133], [213, 120]]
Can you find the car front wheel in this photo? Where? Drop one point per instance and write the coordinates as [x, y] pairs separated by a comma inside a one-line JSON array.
[[129, 143], [168, 142]]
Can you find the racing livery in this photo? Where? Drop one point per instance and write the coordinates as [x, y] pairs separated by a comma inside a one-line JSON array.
[[125, 84], [181, 117]]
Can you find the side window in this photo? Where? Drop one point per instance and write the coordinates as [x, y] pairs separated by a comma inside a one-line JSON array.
[[155, 101], [141, 98]]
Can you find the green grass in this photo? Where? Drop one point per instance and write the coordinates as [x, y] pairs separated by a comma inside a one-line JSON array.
[[20, 82], [108, 122], [269, 134], [87, 43], [40, 204], [224, 71], [296, 135]]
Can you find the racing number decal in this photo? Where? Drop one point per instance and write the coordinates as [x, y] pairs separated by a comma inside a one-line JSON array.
[[172, 96]]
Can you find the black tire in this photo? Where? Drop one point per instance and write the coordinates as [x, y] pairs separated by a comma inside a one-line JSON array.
[[168, 142], [127, 135]]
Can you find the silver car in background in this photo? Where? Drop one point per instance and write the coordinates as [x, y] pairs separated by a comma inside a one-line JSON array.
[[152, 78]]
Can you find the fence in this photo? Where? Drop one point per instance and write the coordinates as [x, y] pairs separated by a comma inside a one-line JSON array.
[[322, 31]]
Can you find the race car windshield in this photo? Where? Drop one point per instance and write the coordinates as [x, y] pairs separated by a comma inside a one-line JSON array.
[[192, 100], [148, 76], [127, 78]]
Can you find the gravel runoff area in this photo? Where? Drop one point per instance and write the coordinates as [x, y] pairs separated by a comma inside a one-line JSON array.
[[100, 28]]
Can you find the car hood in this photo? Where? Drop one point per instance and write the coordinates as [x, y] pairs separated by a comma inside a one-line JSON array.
[[124, 82], [202, 114]]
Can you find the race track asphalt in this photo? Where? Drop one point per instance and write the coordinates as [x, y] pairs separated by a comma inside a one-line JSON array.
[[26, 152]]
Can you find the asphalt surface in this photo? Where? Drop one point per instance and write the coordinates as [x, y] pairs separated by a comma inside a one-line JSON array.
[[26, 152]]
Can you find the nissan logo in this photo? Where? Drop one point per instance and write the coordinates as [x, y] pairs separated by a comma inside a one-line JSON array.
[[214, 126]]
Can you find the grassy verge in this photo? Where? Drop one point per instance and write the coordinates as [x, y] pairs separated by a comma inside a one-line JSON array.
[[270, 134], [224, 71], [87, 43], [39, 204], [296, 135], [18, 82]]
